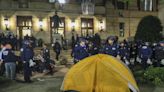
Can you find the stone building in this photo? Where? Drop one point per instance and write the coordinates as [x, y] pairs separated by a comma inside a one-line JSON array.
[[111, 17], [161, 14]]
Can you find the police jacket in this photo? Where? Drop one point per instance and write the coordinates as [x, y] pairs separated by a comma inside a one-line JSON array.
[[46, 53], [145, 52], [111, 50], [123, 52], [27, 54], [57, 47], [80, 52], [159, 52]]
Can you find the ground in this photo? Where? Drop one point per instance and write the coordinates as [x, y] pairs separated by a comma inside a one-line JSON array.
[[41, 83], [53, 84], [47, 83]]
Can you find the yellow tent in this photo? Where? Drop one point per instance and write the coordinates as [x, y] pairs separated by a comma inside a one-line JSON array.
[[100, 73]]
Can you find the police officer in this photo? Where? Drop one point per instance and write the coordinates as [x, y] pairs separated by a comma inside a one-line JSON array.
[[9, 58], [57, 48], [123, 52], [110, 47], [27, 55], [153, 46], [159, 53], [93, 48], [133, 52], [145, 53], [32, 41], [80, 51], [46, 57]]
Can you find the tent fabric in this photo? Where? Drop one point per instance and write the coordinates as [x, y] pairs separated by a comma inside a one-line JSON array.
[[99, 73]]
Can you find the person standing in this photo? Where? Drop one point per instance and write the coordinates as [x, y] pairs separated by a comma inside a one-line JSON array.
[[145, 53], [133, 53], [27, 55], [80, 51], [111, 47], [9, 58], [77, 38], [159, 53], [57, 49], [46, 57], [73, 41], [123, 52]]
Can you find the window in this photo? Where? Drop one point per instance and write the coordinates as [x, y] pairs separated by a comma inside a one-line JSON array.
[[122, 29], [120, 4], [148, 5], [24, 21], [23, 4], [24, 26], [87, 26]]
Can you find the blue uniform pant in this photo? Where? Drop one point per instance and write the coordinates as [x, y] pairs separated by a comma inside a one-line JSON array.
[[10, 70], [27, 72]]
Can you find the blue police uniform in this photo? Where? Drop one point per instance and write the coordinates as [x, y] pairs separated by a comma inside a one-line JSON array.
[[80, 52], [46, 54], [93, 49], [111, 50], [25, 43], [145, 53], [159, 53], [46, 57], [123, 52], [27, 54]]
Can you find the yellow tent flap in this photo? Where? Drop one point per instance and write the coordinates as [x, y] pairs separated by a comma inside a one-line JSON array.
[[99, 73]]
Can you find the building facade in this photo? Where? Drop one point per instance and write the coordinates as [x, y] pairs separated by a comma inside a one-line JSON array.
[[161, 14], [111, 17]]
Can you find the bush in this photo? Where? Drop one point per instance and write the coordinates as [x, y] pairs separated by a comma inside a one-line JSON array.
[[155, 75], [149, 29]]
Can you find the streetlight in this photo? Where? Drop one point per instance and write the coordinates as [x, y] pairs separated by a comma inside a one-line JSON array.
[[41, 24], [101, 26], [6, 22], [73, 25]]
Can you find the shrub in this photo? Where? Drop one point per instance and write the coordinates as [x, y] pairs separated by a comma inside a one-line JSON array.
[[154, 75], [149, 29]]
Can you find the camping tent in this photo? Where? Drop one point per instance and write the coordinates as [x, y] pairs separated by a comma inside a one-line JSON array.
[[100, 73]]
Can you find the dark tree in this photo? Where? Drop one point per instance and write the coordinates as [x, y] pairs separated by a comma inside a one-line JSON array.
[[149, 29]]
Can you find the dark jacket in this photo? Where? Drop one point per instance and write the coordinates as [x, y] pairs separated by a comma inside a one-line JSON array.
[[9, 56], [159, 52], [57, 47], [27, 53], [46, 53]]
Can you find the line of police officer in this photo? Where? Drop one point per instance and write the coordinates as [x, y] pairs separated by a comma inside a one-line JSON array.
[[129, 53]]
